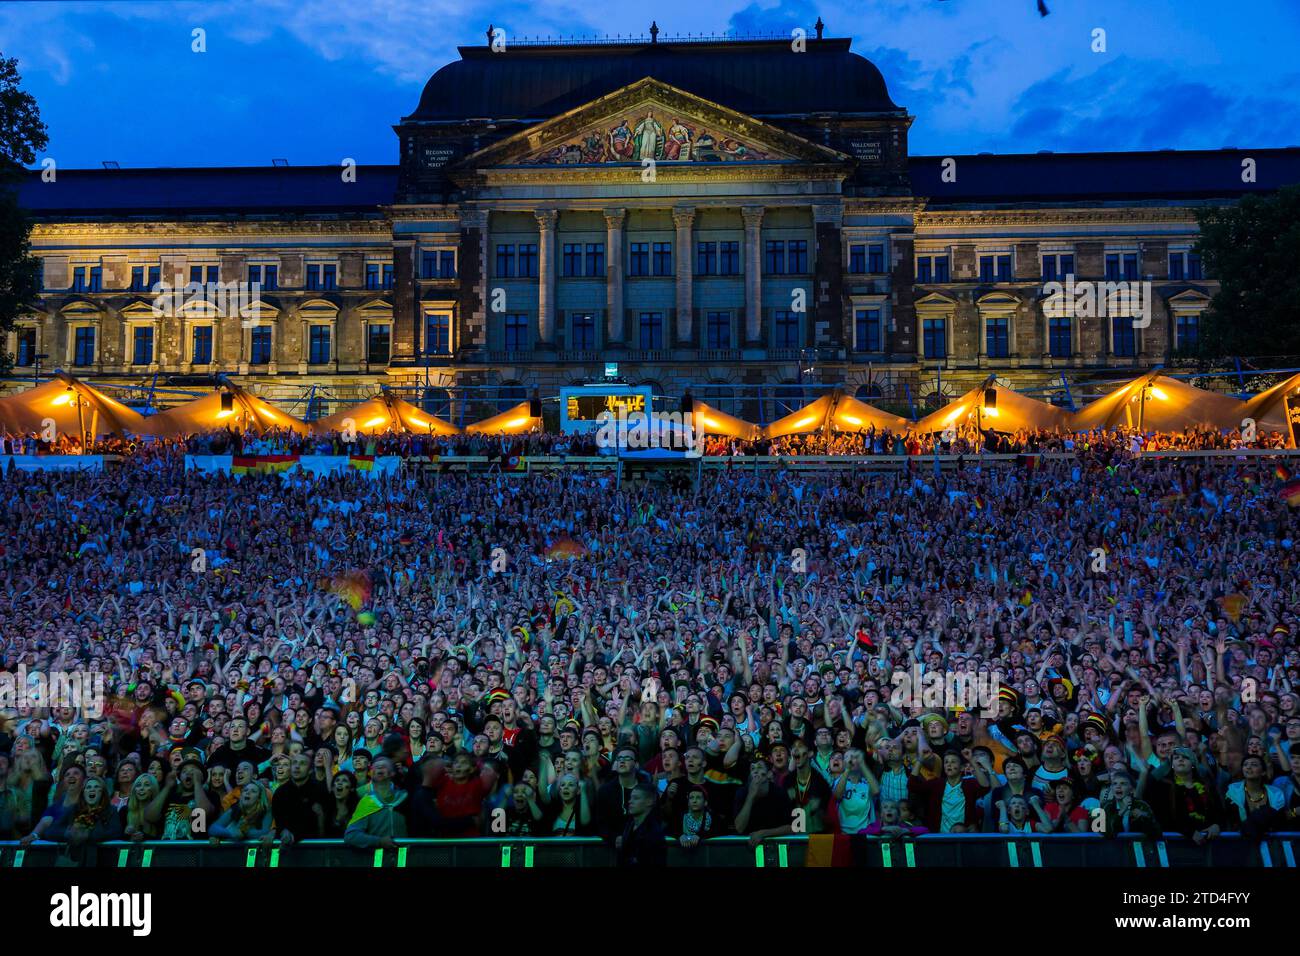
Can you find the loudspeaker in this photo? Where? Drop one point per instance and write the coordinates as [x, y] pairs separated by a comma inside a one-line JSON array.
[[688, 404], [227, 402], [535, 406]]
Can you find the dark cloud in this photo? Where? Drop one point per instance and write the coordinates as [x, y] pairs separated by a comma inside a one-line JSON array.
[[780, 19], [1129, 104]]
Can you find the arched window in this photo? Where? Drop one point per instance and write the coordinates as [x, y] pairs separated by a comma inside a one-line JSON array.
[[437, 402], [869, 392]]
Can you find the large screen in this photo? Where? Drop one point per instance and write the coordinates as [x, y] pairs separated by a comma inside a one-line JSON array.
[[582, 405]]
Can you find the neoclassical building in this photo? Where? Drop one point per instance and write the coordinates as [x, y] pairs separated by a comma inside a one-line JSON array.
[[702, 214]]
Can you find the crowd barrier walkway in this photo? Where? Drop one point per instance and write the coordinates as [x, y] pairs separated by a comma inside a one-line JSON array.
[[977, 850]]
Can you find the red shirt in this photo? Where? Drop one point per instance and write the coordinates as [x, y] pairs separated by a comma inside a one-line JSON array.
[[458, 800]]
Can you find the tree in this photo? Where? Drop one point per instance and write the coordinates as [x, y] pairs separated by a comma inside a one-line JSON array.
[[22, 136], [1253, 249]]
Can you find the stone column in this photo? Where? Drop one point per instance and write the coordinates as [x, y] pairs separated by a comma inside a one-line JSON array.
[[546, 219], [614, 275], [753, 216], [405, 299], [828, 309], [684, 220], [472, 316]]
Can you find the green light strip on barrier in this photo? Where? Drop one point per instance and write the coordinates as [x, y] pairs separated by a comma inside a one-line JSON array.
[[121, 857], [1266, 856], [886, 855], [1013, 854], [1161, 852], [1037, 854], [782, 853], [528, 857], [505, 856], [379, 857], [758, 855], [19, 856], [147, 859], [401, 856], [1288, 853], [251, 859], [1139, 854], [911, 854], [275, 856]]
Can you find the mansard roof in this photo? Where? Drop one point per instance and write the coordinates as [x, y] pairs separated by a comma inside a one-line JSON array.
[[1052, 178], [761, 78], [178, 191]]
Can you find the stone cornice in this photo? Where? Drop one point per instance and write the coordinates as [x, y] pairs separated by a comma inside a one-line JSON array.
[[1111, 215], [99, 231], [423, 212], [664, 173], [891, 206]]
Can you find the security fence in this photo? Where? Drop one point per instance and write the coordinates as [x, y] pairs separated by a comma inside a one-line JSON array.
[[976, 850]]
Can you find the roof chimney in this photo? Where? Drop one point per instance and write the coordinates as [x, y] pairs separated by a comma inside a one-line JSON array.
[[819, 27]]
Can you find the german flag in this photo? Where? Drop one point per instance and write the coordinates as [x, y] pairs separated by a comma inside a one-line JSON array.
[[1291, 493], [1232, 605], [250, 464], [1282, 472]]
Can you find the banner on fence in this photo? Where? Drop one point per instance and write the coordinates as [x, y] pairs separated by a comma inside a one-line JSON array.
[[316, 465], [52, 462]]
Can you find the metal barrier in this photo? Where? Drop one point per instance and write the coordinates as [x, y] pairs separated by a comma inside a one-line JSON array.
[[976, 850]]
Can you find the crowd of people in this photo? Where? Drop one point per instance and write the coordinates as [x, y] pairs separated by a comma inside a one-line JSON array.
[[963, 440], [411, 655]]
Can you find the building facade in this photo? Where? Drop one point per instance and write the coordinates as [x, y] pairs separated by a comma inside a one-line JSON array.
[[703, 215]]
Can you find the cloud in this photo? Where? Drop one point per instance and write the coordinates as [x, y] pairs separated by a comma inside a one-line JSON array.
[[778, 20], [1128, 104]]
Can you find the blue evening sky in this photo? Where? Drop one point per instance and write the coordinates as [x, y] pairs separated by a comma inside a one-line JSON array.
[[315, 81]]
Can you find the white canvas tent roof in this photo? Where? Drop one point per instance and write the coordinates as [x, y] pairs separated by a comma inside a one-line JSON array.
[[73, 405], [205, 414], [383, 412], [835, 410], [1012, 411], [1170, 406]]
